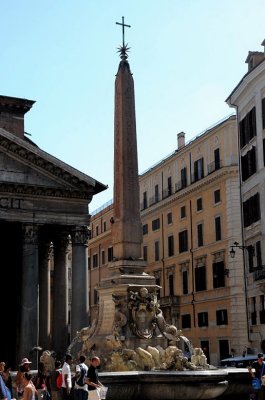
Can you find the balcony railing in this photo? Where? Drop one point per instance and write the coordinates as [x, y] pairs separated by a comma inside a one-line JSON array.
[[169, 301], [259, 273], [214, 166]]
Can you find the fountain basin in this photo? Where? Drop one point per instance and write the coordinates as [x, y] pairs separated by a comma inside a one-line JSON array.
[[166, 385]]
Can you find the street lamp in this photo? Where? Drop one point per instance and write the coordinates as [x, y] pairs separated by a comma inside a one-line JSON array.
[[249, 248]]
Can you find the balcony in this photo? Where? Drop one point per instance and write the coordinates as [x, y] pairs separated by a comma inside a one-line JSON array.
[[167, 301], [259, 273], [214, 166]]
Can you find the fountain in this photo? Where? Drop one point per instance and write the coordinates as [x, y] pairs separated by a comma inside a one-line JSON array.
[[142, 356]]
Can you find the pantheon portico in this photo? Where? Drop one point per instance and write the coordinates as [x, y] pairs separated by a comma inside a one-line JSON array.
[[43, 242]]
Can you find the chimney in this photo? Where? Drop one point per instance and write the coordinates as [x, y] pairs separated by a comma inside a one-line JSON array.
[[181, 140], [12, 111]]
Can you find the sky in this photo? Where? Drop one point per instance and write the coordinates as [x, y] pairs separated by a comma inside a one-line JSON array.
[[186, 57]]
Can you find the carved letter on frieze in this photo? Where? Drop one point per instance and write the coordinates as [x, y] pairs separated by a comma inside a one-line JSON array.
[[30, 234], [80, 235]]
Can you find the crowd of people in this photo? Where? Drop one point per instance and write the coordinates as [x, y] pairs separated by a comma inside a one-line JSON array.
[[62, 383]]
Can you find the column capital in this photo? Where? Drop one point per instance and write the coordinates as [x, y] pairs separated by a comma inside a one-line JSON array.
[[30, 234], [80, 235], [63, 240]]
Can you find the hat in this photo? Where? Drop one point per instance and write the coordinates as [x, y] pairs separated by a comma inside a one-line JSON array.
[[260, 355], [25, 361]]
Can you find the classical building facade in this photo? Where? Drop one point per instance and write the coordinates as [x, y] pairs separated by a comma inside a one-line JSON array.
[[190, 214], [43, 238], [248, 98]]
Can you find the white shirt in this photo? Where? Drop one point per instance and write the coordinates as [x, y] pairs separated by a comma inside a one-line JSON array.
[[78, 369], [66, 371]]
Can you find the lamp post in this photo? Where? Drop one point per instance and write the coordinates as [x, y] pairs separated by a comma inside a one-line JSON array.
[[249, 248]]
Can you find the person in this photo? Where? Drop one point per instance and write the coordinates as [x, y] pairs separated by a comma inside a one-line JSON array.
[[29, 392], [4, 391], [23, 367], [92, 380], [81, 390], [55, 391], [257, 370], [67, 378], [43, 382], [7, 378]]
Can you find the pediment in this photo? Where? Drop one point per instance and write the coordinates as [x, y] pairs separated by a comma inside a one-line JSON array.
[[18, 173], [31, 169]]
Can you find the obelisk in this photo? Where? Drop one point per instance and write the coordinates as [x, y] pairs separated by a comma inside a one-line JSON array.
[[127, 269]]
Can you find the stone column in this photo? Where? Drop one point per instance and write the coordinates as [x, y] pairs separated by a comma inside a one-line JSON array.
[[80, 303], [46, 253], [29, 332], [60, 291]]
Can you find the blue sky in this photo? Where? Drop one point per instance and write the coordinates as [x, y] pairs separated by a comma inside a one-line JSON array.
[[186, 57]]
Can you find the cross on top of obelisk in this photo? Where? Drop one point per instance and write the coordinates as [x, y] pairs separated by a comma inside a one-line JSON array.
[[123, 49]]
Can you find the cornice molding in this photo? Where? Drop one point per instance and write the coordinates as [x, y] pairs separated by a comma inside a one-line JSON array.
[[194, 187], [36, 191]]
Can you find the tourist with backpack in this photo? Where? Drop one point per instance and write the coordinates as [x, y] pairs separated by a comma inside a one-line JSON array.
[[81, 389], [56, 385]]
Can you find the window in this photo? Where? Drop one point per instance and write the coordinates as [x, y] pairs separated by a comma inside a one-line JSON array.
[[95, 260], [144, 200], [264, 152], [251, 210], [186, 321], [183, 241], [263, 113], [156, 224], [96, 230], [103, 257], [200, 278], [169, 186], [170, 243], [145, 253], [202, 319], [218, 274], [253, 312], [169, 218], [104, 226], [198, 170], [156, 193], [95, 296], [89, 262], [157, 255], [247, 127], [182, 212], [199, 204], [258, 254], [185, 289], [262, 310], [218, 231], [217, 196], [200, 235], [183, 175], [110, 254], [145, 229], [171, 285], [221, 317], [217, 159], [248, 164]]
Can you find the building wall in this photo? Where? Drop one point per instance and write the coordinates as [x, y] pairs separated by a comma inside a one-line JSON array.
[[250, 94]]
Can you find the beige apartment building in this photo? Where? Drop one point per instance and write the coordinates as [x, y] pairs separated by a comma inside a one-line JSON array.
[[191, 215], [248, 98]]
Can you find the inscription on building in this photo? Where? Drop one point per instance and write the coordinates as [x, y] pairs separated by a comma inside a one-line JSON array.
[[10, 202]]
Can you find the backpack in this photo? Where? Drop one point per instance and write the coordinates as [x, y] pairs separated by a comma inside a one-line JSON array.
[[81, 379], [59, 380]]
